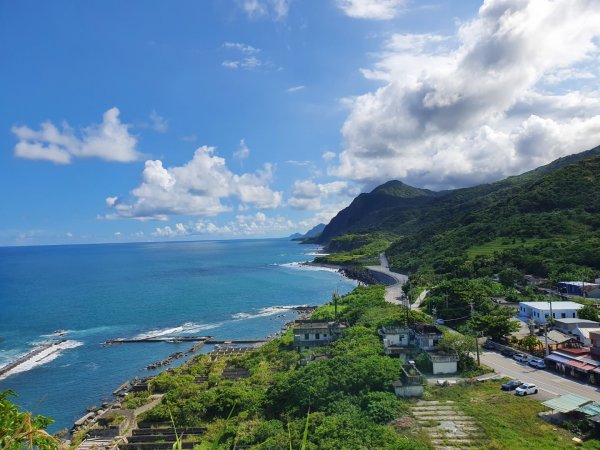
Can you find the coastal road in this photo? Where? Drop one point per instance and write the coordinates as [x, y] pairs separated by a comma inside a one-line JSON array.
[[393, 292], [550, 384]]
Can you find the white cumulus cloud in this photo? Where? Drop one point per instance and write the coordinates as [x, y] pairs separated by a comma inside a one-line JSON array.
[[109, 140], [479, 105], [249, 225], [308, 195], [372, 9], [273, 9], [196, 188]]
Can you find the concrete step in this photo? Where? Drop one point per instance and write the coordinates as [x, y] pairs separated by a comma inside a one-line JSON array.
[[440, 418], [433, 402], [433, 408]]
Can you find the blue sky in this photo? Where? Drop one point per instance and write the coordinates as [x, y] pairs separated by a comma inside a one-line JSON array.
[[137, 121]]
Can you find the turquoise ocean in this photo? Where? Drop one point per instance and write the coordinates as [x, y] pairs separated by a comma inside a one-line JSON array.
[[227, 289]]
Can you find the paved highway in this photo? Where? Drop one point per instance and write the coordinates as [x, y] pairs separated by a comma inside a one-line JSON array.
[[393, 292], [550, 383]]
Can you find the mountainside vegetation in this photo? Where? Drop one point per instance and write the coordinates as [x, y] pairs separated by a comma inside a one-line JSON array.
[[544, 222]]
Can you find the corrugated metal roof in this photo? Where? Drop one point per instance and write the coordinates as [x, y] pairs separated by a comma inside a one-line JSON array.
[[591, 409], [580, 365], [567, 403], [557, 358]]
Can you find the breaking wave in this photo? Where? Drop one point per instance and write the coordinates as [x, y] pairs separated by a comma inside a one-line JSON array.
[[304, 266], [40, 355], [264, 312], [186, 328]]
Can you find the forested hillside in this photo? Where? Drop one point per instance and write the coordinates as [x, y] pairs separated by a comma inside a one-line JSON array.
[[544, 221]]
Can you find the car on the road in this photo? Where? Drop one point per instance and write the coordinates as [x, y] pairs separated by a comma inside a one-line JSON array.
[[526, 389], [521, 357], [439, 321], [507, 351], [511, 385], [489, 345], [537, 363]]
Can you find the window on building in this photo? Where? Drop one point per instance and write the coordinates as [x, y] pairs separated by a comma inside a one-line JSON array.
[[554, 315], [317, 336], [306, 337], [573, 315], [563, 315]]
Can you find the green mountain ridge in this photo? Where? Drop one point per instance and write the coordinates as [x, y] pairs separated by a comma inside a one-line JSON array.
[[560, 200]]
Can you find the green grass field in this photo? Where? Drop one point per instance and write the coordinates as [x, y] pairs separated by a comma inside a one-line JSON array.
[[499, 244], [509, 422]]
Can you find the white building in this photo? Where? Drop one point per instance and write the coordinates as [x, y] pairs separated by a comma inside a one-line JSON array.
[[395, 339], [578, 327], [541, 311], [443, 364]]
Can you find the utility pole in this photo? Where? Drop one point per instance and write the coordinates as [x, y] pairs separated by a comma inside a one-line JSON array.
[[476, 336], [477, 348], [546, 338], [335, 304]]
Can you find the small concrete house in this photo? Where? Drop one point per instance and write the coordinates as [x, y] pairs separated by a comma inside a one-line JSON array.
[[309, 333], [411, 382], [427, 336], [539, 312], [395, 339], [443, 363], [579, 328]]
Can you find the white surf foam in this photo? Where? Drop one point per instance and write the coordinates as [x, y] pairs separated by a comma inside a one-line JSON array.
[[43, 357], [304, 266], [264, 312], [186, 328]]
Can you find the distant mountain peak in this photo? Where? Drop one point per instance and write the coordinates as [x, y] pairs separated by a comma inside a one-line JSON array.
[[399, 189], [312, 233]]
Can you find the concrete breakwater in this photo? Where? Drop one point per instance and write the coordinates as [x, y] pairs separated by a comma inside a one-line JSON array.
[[174, 339], [33, 353]]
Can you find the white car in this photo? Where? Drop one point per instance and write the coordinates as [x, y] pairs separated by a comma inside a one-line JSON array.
[[537, 363], [526, 389], [521, 357]]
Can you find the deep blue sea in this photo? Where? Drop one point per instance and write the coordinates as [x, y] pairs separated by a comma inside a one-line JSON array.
[[226, 289]]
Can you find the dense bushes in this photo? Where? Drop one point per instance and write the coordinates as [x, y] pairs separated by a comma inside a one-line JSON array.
[[347, 390]]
